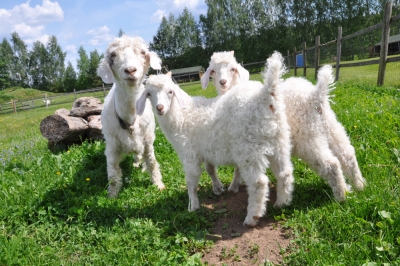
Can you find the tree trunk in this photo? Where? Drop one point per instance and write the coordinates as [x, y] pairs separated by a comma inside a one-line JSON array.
[[62, 128]]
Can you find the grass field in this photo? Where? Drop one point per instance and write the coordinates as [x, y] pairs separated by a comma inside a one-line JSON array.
[[55, 209]]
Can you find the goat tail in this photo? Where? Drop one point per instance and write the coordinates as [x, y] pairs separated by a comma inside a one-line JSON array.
[[325, 82], [274, 69]]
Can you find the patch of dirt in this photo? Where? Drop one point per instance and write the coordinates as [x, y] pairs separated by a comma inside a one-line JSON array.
[[235, 244]]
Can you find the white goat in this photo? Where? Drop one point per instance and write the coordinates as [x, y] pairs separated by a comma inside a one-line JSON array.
[[126, 62], [317, 136], [246, 128], [225, 72], [46, 102]]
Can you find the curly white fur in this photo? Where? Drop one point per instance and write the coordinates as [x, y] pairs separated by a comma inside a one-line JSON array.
[[126, 62], [225, 72], [317, 136], [246, 128]]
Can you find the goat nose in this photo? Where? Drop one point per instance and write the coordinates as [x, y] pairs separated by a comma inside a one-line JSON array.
[[130, 70], [160, 107], [222, 81]]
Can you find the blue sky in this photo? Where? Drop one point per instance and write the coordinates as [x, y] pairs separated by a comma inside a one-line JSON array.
[[92, 24]]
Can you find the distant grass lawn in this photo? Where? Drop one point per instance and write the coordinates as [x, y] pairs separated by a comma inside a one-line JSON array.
[[55, 209]]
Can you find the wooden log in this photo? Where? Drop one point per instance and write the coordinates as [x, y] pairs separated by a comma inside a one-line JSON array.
[[62, 128], [62, 111], [95, 128], [86, 106]]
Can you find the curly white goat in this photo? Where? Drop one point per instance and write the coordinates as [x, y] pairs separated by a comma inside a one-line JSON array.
[[126, 62], [225, 72], [317, 136], [246, 128]]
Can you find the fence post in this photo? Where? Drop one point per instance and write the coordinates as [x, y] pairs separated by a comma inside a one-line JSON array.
[[288, 56], [45, 100], [338, 52], [304, 60], [295, 61], [74, 94], [317, 54], [14, 106], [384, 43]]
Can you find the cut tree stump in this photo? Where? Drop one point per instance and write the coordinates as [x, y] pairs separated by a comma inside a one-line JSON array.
[[86, 106], [68, 129], [73, 126]]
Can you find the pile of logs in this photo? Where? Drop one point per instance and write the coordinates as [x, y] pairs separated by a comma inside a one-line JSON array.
[[73, 126]]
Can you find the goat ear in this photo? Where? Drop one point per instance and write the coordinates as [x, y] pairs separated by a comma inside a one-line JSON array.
[[182, 97], [105, 72], [243, 73], [232, 53], [154, 60], [205, 78], [141, 103]]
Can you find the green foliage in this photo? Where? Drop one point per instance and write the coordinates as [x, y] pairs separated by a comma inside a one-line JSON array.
[[69, 81], [178, 42]]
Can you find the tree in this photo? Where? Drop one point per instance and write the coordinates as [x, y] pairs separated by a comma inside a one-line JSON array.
[[46, 65], [120, 32], [37, 66], [164, 43], [178, 41], [6, 55], [54, 64], [19, 75], [83, 69], [94, 79], [69, 80]]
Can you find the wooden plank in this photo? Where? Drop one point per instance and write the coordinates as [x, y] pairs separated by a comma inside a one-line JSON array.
[[393, 59], [395, 18], [361, 32], [317, 55], [295, 61], [384, 43], [304, 60], [328, 43], [338, 53]]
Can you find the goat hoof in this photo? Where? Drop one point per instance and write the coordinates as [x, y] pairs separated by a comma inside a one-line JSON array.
[[252, 223]]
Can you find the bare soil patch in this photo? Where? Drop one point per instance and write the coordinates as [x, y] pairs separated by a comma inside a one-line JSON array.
[[235, 244]]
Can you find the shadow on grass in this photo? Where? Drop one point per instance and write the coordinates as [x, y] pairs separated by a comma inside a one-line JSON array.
[[83, 198]]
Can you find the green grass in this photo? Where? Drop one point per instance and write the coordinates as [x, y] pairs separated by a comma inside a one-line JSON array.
[[361, 75], [55, 209]]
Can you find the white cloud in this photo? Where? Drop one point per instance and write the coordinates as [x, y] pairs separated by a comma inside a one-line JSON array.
[[100, 35], [71, 49], [186, 3], [158, 15], [29, 22]]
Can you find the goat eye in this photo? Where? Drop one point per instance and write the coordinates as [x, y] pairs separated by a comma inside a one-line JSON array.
[[170, 92], [233, 69], [143, 53], [148, 94], [212, 72]]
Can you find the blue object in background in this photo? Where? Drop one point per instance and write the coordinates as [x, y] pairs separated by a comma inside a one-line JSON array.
[[299, 60]]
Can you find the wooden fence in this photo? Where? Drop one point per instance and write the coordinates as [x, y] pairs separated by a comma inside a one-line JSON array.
[[30, 103], [291, 59]]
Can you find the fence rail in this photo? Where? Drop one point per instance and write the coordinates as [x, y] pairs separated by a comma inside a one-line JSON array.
[[311, 60], [30, 103]]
